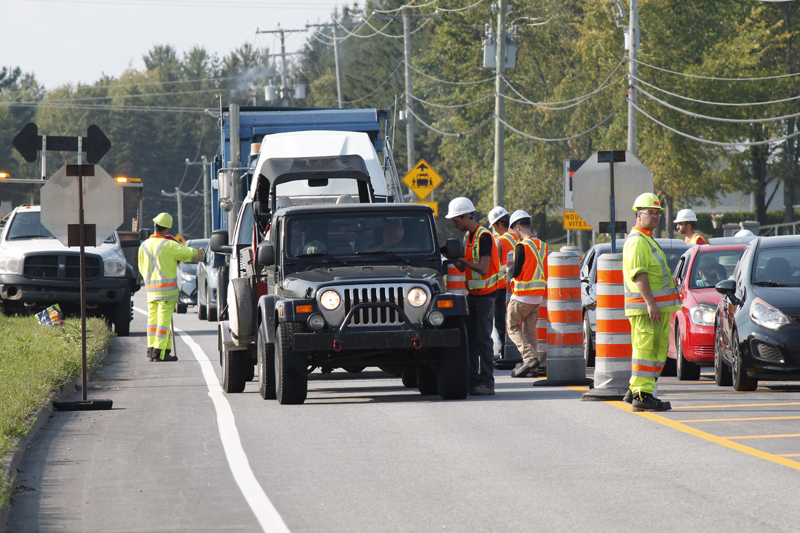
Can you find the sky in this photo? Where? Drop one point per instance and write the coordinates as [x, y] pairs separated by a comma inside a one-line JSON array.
[[71, 41]]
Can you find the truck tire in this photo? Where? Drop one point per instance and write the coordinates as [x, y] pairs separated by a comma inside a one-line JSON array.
[[122, 316], [212, 313], [240, 310], [291, 369], [202, 309], [426, 381], [233, 371], [409, 378], [222, 291], [266, 366], [181, 308], [453, 374]]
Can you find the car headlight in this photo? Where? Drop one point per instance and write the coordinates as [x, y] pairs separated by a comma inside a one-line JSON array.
[[113, 268], [767, 316], [9, 264], [417, 297], [330, 300], [702, 315], [187, 276]]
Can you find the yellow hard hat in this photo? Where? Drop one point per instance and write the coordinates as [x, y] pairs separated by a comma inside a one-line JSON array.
[[647, 200], [164, 220]]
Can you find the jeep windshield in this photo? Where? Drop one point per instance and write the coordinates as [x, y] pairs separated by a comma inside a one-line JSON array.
[[363, 234], [28, 225]]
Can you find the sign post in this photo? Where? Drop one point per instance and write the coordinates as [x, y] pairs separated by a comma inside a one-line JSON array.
[[616, 156]]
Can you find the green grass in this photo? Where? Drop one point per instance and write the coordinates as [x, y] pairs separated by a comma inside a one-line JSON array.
[[34, 361]]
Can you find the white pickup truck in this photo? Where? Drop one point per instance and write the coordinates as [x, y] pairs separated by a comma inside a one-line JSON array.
[[37, 270]]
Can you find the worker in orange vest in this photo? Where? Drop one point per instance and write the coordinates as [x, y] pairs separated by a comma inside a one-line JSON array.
[[686, 222], [498, 221]]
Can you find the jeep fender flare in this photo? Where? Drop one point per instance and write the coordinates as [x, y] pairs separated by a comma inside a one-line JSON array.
[[266, 313]]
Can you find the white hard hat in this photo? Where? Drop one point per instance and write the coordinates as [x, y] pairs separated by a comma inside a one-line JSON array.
[[496, 214], [744, 233], [685, 215], [459, 206], [519, 214]]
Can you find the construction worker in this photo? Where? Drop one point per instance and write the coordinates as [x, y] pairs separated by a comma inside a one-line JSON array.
[[481, 262], [158, 265], [498, 220], [650, 298], [686, 222], [530, 286]]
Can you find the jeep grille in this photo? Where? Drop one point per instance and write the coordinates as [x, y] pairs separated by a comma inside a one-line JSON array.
[[375, 316]]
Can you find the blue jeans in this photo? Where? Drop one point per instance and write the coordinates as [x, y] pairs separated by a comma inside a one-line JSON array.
[[500, 318], [481, 350]]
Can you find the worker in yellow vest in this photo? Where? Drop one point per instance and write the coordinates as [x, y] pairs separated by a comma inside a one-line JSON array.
[[650, 297], [158, 265], [498, 221], [481, 262], [529, 271], [686, 222]]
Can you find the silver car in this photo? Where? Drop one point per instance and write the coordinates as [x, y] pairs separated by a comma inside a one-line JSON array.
[[207, 286]]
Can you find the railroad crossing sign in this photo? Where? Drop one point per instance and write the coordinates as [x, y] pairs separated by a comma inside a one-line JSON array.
[[102, 204], [422, 179]]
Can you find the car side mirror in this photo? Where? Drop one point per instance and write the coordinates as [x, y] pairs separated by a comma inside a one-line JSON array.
[[265, 254], [219, 242], [453, 249], [726, 287]]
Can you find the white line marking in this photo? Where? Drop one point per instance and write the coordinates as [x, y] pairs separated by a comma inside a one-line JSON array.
[[262, 507]]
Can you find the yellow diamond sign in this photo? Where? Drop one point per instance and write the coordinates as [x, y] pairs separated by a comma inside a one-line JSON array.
[[422, 179]]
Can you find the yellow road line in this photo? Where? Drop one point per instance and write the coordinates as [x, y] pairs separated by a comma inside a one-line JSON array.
[[734, 405], [785, 435], [740, 419], [722, 441], [712, 392], [790, 455]]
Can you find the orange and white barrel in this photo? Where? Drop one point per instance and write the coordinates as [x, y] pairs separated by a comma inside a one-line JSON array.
[[612, 367], [456, 281], [565, 363]]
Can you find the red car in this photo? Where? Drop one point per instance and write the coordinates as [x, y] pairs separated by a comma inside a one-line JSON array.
[[691, 342]]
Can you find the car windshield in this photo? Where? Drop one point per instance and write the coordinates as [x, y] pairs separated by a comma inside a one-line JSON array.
[[28, 225], [711, 267], [359, 234], [777, 267]]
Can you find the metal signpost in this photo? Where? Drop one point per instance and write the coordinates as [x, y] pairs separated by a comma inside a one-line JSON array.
[[616, 156]]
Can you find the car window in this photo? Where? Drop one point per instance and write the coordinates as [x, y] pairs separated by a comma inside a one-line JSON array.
[[678, 273], [712, 266], [245, 235], [777, 267], [28, 225], [588, 259]]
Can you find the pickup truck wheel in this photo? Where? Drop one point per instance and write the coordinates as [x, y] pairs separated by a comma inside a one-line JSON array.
[[122, 316], [212, 313], [202, 312], [181, 308], [266, 366], [453, 374], [291, 369], [353, 369], [233, 371], [409, 378], [426, 381]]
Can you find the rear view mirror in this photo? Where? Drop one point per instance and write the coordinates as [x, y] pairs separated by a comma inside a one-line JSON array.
[[265, 254], [318, 182], [453, 249], [219, 242]]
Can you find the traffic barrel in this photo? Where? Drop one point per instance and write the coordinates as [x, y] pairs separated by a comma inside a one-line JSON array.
[[565, 362], [511, 356], [612, 367], [456, 281]]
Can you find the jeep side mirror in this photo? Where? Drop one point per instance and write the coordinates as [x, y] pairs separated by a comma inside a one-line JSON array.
[[144, 234], [726, 287], [265, 254], [260, 209], [453, 249], [219, 242]]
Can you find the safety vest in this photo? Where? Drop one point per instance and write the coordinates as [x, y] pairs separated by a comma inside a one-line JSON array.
[[158, 264], [477, 284], [695, 239], [533, 278], [667, 297], [506, 243]]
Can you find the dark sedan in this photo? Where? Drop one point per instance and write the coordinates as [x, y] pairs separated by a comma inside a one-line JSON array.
[[757, 328]]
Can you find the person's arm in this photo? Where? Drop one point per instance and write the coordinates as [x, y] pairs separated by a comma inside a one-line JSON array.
[[519, 260], [643, 285], [482, 268]]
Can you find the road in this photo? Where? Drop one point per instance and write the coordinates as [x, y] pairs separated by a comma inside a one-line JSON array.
[[366, 454]]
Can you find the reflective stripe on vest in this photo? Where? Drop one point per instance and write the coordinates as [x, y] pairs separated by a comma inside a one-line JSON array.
[[477, 284], [158, 288], [665, 297], [532, 280], [505, 244]]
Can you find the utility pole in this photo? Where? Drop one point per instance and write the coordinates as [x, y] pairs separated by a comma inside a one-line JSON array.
[[337, 58], [285, 88], [179, 195], [499, 185], [633, 40], [206, 194]]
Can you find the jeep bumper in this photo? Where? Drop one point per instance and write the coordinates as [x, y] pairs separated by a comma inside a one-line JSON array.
[[376, 340]]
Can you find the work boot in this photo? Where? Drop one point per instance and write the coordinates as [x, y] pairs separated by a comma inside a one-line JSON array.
[[522, 370], [647, 402], [149, 355], [482, 390], [156, 354], [628, 396], [168, 356]]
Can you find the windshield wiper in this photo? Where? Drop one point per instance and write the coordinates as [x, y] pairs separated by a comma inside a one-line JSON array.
[[768, 284], [320, 254], [36, 236], [387, 253]]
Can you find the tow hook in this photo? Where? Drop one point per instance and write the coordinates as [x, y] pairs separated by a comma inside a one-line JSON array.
[[417, 343], [337, 345]]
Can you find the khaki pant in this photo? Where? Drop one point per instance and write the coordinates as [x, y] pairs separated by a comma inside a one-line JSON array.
[[521, 319]]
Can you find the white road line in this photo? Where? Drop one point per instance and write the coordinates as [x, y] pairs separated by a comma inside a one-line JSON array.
[[262, 507]]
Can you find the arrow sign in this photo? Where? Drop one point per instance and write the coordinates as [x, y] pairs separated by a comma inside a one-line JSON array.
[[28, 142]]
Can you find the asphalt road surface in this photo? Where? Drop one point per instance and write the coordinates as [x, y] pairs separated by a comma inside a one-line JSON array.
[[366, 454]]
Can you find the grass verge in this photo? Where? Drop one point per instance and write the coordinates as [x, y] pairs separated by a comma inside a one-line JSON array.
[[35, 361]]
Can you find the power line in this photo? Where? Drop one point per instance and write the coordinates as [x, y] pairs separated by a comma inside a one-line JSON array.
[[396, 36], [481, 99], [447, 134], [712, 78], [236, 4], [449, 82], [715, 143], [404, 6], [400, 64], [156, 109], [728, 104], [533, 138], [119, 85], [457, 10], [126, 96], [545, 106]]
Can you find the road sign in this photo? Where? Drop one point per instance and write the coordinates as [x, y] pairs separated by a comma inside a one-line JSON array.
[[591, 187], [432, 205], [572, 220], [102, 204], [422, 179], [571, 166], [28, 142]]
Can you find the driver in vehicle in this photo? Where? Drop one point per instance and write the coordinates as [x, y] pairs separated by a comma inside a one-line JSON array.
[[710, 274], [392, 234]]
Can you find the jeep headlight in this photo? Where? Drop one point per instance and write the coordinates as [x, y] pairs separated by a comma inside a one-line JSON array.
[[113, 268], [9, 264], [330, 300], [417, 297]]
